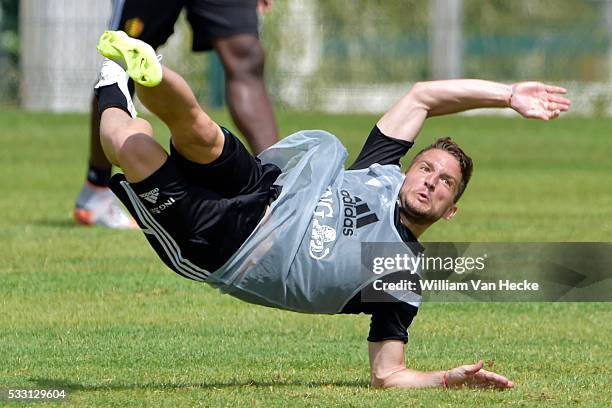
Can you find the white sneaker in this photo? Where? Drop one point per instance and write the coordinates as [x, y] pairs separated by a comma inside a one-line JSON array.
[[112, 73], [99, 206]]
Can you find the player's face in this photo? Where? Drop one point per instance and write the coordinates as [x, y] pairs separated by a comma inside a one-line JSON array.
[[429, 190]]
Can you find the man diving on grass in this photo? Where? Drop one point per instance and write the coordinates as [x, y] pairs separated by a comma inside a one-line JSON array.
[[284, 229]]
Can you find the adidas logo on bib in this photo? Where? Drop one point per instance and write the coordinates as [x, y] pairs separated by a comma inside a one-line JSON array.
[[151, 196], [357, 214]]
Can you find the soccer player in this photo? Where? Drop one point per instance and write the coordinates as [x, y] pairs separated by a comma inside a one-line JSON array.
[[284, 229], [230, 28]]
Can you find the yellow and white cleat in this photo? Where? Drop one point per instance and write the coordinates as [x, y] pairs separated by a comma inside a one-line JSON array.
[[137, 57]]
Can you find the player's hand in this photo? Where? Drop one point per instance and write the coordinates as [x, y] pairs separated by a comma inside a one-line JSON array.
[[472, 375], [536, 100], [264, 6]]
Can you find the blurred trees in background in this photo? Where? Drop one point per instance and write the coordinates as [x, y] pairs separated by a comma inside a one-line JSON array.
[[9, 50], [321, 52]]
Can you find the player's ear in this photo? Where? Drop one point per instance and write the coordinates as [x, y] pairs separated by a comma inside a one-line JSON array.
[[450, 213]]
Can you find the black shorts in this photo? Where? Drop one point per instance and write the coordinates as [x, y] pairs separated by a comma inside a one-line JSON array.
[[196, 216], [153, 20]]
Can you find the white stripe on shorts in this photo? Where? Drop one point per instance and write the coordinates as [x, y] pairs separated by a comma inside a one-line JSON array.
[[183, 266]]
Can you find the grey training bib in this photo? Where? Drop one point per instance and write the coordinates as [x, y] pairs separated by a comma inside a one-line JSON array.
[[306, 256]]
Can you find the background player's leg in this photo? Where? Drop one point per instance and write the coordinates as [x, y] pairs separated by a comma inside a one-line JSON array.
[[243, 61], [97, 159], [194, 134]]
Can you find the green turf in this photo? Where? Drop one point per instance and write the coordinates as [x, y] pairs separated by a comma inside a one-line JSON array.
[[95, 311]]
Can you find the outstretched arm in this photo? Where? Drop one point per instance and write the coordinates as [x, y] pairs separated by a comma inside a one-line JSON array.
[[388, 371], [531, 99]]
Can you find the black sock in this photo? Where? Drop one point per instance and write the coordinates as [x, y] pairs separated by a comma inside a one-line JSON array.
[[98, 176], [110, 96]]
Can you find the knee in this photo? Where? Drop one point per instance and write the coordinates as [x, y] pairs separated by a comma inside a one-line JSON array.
[[136, 148], [198, 130], [140, 156], [245, 60], [134, 144]]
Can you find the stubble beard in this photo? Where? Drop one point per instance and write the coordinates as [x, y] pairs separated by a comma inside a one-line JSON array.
[[415, 215]]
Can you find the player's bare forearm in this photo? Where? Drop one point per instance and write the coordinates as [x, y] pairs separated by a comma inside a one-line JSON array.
[[426, 99], [407, 378], [388, 371]]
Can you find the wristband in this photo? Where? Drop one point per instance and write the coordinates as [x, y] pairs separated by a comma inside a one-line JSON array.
[[511, 95], [445, 379]]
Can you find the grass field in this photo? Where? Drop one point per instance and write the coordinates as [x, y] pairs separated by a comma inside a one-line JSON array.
[[95, 311]]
